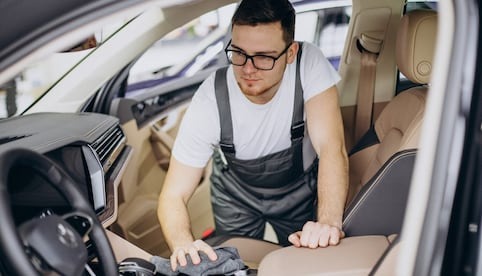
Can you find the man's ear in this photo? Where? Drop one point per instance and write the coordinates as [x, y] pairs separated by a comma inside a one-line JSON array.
[[293, 51]]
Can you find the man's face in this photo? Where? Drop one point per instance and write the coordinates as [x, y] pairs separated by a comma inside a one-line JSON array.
[[259, 86]]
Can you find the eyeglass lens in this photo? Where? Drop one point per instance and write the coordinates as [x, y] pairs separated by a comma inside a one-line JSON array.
[[259, 61]]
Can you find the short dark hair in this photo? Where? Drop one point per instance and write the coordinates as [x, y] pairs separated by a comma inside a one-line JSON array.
[[254, 12]]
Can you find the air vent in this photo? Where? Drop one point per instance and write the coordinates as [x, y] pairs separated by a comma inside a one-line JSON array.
[[109, 146]]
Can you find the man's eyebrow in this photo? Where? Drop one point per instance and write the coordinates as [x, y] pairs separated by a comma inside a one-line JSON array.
[[256, 53]]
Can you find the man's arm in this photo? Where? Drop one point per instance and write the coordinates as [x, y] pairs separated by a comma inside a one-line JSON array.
[[325, 127], [179, 185]]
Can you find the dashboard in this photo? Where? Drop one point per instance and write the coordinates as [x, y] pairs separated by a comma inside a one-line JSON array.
[[90, 147]]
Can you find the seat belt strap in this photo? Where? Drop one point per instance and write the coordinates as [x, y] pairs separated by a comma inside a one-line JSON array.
[[222, 99], [297, 121], [369, 47]]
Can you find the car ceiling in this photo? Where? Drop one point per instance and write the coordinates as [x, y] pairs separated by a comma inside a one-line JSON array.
[[24, 17]]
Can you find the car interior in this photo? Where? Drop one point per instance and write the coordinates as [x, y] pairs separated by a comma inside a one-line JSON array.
[[378, 205], [377, 209], [381, 163], [118, 161]]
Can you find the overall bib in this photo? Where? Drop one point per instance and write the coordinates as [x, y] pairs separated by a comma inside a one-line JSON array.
[[273, 188]]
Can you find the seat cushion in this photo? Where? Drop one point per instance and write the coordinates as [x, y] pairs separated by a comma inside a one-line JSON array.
[[353, 256], [397, 128], [251, 251]]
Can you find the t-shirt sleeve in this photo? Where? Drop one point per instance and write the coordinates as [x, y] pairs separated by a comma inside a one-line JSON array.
[[199, 129], [317, 72]]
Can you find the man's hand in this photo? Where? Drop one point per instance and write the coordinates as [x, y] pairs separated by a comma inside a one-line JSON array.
[[179, 253], [315, 234]]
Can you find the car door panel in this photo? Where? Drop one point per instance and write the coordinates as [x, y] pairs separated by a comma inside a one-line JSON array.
[[151, 123]]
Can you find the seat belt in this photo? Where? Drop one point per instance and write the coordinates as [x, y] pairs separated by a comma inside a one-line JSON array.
[[369, 48]]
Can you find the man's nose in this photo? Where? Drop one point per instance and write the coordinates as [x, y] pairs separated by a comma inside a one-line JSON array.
[[248, 67]]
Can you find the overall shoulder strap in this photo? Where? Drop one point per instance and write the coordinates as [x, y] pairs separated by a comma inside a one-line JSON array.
[[224, 109], [297, 122]]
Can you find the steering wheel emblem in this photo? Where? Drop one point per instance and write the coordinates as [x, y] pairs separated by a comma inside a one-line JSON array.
[[66, 236]]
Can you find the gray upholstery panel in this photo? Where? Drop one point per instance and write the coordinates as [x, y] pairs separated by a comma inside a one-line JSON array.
[[379, 207]]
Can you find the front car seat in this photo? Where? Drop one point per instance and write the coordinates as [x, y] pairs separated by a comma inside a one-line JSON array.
[[380, 173]]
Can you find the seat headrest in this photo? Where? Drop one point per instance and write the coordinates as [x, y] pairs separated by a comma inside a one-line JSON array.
[[416, 44]]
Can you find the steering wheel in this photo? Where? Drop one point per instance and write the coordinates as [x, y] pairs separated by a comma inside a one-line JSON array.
[[50, 242]]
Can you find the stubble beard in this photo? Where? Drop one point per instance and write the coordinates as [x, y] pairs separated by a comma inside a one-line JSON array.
[[259, 95]]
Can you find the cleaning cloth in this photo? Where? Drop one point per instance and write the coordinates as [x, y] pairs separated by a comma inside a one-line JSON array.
[[228, 262]]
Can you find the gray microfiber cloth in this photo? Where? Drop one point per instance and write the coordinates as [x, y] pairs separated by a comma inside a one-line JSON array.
[[228, 262]]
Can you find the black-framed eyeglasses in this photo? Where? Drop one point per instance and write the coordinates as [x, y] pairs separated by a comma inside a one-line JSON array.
[[260, 62]]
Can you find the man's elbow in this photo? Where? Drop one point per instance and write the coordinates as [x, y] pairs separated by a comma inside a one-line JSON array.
[[332, 149]]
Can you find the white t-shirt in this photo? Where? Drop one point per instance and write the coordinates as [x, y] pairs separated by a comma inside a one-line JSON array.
[[258, 129]]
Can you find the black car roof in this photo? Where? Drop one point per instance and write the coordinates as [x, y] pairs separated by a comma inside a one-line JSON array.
[[27, 24]]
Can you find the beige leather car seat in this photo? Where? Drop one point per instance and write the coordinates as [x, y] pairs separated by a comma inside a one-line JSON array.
[[398, 126], [376, 172], [379, 174]]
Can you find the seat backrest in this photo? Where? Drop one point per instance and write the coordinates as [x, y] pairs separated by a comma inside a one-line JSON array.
[[398, 126]]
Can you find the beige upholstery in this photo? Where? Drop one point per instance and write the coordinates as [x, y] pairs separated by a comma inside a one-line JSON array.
[[415, 44], [392, 238], [251, 251], [353, 256], [398, 126], [388, 265], [124, 249]]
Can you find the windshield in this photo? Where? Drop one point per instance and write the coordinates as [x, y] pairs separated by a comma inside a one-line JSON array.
[[20, 92], [24, 89], [184, 51]]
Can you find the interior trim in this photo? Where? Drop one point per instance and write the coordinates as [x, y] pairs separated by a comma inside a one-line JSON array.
[[379, 207]]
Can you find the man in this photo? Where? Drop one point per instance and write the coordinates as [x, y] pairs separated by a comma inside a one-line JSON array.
[[250, 118]]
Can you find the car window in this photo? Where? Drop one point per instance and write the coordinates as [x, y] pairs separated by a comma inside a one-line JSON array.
[[19, 93], [417, 4], [325, 27], [184, 51], [199, 44]]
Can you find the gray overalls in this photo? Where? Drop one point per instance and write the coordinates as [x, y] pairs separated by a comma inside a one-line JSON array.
[[273, 188]]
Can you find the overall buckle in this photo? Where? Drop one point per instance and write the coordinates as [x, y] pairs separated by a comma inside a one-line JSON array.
[[298, 130]]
